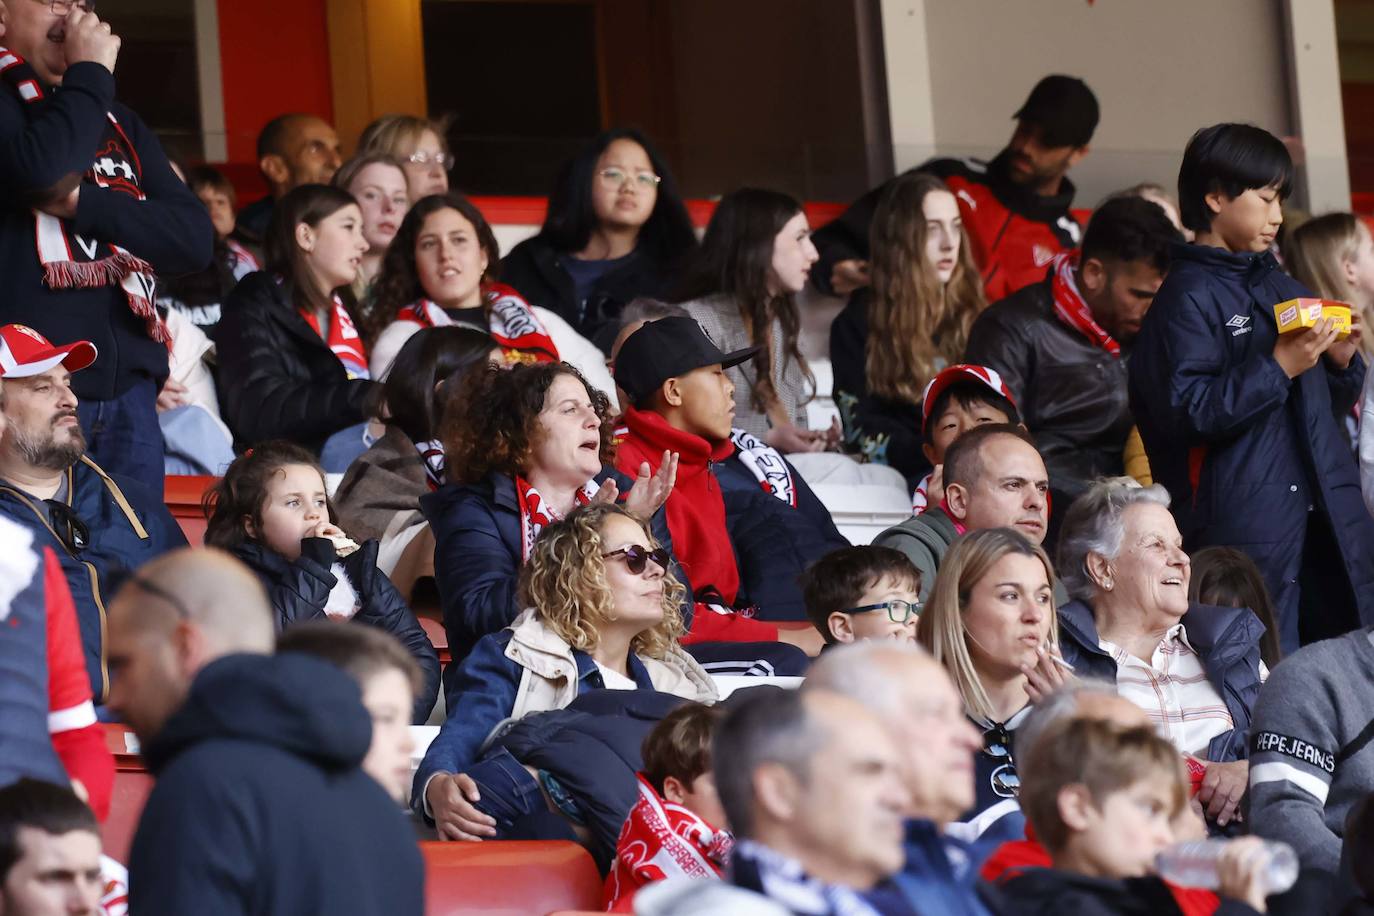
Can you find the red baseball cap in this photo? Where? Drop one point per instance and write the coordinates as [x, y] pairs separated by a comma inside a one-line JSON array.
[[961, 372], [24, 352]]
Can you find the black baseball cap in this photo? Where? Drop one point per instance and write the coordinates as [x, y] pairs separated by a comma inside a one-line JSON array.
[[1064, 109], [668, 348]]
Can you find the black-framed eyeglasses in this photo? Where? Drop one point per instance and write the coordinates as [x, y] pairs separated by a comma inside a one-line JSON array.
[[636, 557], [997, 745], [71, 530], [898, 611]]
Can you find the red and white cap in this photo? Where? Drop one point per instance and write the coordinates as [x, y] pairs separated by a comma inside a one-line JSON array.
[[961, 372], [24, 352]]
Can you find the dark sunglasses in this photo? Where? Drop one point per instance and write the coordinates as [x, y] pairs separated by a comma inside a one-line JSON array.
[[997, 744], [636, 557], [70, 529]]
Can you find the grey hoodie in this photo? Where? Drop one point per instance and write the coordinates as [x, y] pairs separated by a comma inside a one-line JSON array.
[[1311, 753]]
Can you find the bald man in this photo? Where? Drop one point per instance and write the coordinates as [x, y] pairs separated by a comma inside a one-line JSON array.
[[916, 701], [293, 149], [260, 805], [172, 618]]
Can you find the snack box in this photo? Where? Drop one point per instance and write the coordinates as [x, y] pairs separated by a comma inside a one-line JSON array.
[[1296, 314]]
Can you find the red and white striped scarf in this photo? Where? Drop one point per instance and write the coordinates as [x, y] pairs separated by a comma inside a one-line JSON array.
[[72, 261], [343, 339], [536, 515], [661, 840], [510, 320], [1071, 308]]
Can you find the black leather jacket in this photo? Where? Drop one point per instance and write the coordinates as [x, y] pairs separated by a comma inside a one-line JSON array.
[[1070, 392]]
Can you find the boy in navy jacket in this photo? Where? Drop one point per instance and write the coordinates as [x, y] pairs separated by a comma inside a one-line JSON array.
[[1240, 423]]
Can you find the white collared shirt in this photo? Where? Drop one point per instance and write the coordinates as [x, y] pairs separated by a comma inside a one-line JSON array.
[[1174, 691]]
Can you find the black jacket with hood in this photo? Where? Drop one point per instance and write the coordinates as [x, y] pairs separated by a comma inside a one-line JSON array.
[[1035, 891], [300, 590], [260, 805]]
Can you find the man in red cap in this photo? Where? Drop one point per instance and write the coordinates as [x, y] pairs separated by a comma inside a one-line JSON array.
[[96, 524]]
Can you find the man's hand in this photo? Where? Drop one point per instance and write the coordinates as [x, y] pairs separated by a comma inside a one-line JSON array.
[[1298, 351], [1222, 789], [848, 276], [173, 394], [451, 798], [1343, 351], [89, 39], [1240, 871]]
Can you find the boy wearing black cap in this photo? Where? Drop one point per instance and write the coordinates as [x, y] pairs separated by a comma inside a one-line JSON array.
[[1015, 208], [738, 546]]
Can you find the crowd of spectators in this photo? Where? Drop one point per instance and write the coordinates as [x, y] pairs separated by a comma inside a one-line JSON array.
[[1132, 608]]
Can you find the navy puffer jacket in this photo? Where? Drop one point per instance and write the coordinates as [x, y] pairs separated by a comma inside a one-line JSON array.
[[1226, 639], [1244, 451]]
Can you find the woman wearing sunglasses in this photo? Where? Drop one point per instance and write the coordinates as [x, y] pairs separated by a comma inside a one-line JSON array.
[[991, 622], [601, 612], [524, 447]]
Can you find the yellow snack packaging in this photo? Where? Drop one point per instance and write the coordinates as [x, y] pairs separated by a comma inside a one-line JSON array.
[[1298, 314]]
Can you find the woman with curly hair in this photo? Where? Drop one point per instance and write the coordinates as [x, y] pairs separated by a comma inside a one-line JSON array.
[[601, 611], [440, 269], [523, 447]]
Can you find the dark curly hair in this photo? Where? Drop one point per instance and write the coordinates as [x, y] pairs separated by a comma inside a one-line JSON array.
[[491, 421], [241, 493], [398, 282]]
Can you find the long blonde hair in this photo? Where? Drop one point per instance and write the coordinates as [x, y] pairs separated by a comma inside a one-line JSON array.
[[914, 321], [565, 582], [941, 625], [1315, 254]]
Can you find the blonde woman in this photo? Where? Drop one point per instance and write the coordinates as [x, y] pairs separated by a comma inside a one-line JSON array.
[[912, 321], [1333, 255], [602, 613], [418, 144], [991, 622]]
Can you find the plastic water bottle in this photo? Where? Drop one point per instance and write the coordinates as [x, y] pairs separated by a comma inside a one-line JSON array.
[[1195, 865]]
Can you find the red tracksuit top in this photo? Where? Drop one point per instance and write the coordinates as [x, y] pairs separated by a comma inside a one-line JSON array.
[[696, 520]]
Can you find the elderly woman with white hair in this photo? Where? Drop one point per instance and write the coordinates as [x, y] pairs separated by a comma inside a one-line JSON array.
[[1194, 669]]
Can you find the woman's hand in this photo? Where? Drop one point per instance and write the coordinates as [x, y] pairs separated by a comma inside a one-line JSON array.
[[451, 797], [1240, 871], [650, 492], [1222, 789], [789, 438], [1045, 676]]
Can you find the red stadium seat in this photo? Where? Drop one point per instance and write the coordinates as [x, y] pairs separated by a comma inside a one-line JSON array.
[[183, 494], [438, 636], [494, 877], [131, 790]]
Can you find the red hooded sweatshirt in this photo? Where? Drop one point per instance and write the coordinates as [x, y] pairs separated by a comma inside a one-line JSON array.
[[696, 520]]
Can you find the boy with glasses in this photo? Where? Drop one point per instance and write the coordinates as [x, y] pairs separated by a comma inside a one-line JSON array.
[[865, 592]]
